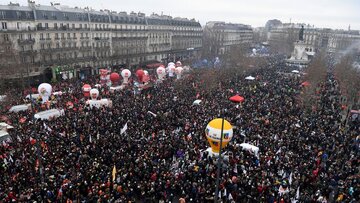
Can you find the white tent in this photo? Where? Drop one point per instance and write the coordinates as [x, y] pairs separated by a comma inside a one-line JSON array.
[[52, 113], [197, 102], [99, 103], [34, 96], [249, 147], [249, 78], [295, 71], [18, 108]]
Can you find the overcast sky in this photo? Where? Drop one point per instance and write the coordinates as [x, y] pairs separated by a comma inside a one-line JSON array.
[[321, 13]]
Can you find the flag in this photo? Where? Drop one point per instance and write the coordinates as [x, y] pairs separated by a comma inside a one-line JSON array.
[[37, 165], [114, 173], [290, 178], [297, 193], [122, 131], [32, 141], [47, 128], [189, 137], [60, 192], [22, 120]]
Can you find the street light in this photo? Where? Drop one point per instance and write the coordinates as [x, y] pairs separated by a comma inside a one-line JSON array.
[[219, 164]]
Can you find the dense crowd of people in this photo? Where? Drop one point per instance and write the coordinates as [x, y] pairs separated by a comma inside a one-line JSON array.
[[305, 155]]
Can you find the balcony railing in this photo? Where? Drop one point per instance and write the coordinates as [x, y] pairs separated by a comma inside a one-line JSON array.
[[26, 41]]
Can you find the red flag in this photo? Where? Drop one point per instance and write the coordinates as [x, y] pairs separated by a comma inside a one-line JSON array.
[[22, 120], [37, 164], [32, 141]]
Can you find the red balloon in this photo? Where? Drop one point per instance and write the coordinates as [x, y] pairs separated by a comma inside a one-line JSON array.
[[237, 99], [140, 74], [114, 77]]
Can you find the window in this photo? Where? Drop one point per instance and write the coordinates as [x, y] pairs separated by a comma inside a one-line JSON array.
[[47, 35], [29, 36], [80, 26], [85, 26], [49, 46], [68, 35], [73, 26], [20, 36], [42, 46], [4, 25], [47, 25], [2, 14], [56, 36], [6, 37], [74, 35], [55, 26], [62, 35], [18, 25], [41, 36]]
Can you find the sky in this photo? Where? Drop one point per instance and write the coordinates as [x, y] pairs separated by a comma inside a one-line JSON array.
[[336, 14]]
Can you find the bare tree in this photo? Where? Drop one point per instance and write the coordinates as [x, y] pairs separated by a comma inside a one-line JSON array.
[[349, 79], [315, 75], [12, 67]]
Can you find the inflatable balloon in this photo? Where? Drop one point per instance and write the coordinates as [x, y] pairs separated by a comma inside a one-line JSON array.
[[126, 75], [114, 77], [44, 90], [171, 70], [178, 71], [94, 93], [103, 76], [213, 133], [140, 74], [86, 90], [161, 72], [146, 72], [171, 64]]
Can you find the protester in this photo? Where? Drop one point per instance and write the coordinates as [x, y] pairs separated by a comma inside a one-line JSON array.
[[304, 155]]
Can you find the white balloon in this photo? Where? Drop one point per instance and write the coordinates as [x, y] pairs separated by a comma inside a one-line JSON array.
[[178, 72], [94, 93], [161, 72], [44, 90], [126, 74], [146, 72]]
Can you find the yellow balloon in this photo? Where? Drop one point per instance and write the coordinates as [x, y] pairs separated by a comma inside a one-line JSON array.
[[213, 133]]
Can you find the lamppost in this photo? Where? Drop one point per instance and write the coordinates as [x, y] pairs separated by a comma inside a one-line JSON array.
[[219, 163], [219, 160]]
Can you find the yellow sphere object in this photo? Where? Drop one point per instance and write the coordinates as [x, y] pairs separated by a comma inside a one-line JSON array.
[[213, 134]]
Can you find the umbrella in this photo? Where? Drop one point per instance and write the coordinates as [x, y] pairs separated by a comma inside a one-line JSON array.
[[249, 78], [237, 99], [305, 84], [197, 102]]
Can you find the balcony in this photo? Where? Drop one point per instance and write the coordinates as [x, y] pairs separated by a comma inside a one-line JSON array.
[[100, 39], [26, 41], [84, 38], [28, 52]]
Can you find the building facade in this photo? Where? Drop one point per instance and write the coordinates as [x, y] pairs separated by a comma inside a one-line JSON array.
[[222, 36], [78, 41], [337, 41]]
